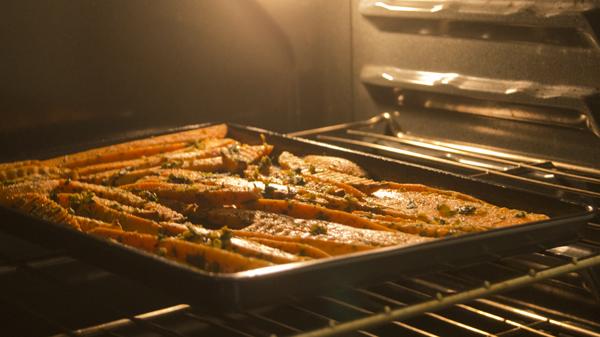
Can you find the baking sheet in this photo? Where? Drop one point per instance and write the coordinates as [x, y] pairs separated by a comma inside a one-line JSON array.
[[268, 285]]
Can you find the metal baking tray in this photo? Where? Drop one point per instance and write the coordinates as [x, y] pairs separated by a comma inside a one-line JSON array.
[[272, 284]]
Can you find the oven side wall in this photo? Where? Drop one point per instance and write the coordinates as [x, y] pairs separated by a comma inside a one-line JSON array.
[[421, 42]]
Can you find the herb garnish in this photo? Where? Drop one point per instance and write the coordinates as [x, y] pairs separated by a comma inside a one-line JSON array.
[[264, 165], [317, 229], [467, 210], [179, 179], [445, 210], [170, 164], [148, 195], [269, 191]]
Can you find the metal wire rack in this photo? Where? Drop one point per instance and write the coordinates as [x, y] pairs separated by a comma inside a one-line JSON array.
[[550, 293], [60, 294], [475, 160]]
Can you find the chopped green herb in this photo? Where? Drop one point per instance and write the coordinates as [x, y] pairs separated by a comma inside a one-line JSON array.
[[467, 210], [317, 229], [148, 195], [264, 165], [411, 204], [76, 200], [321, 216], [445, 210], [170, 164], [233, 149], [226, 235], [188, 235], [199, 144], [88, 197], [269, 191], [179, 179], [423, 217], [9, 182], [520, 215]]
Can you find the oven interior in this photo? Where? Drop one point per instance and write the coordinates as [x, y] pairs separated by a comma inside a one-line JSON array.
[[505, 91]]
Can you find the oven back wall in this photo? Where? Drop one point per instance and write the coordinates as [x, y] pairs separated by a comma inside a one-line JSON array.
[[73, 71]]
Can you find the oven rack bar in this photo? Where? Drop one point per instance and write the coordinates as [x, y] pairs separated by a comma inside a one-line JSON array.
[[488, 170], [441, 301], [439, 146], [392, 310], [449, 150]]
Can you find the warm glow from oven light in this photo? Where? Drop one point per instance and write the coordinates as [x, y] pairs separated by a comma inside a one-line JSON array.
[[387, 76], [431, 79], [396, 8], [476, 163]]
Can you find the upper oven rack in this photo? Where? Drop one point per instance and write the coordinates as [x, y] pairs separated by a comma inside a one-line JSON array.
[[480, 160]]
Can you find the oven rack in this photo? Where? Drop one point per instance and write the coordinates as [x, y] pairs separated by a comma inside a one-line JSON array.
[[456, 300], [477, 161], [358, 311]]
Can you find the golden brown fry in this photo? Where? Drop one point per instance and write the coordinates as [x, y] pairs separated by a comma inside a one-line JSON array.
[[12, 165], [205, 196], [213, 164], [196, 254], [88, 224], [338, 164], [41, 186], [418, 188], [413, 226], [129, 150], [237, 158], [121, 161], [208, 258], [209, 148], [23, 171], [329, 247], [142, 241], [309, 211], [310, 172], [89, 206], [40, 206], [124, 197], [296, 248], [264, 252]]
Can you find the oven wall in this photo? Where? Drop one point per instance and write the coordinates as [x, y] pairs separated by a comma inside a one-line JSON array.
[[489, 47], [74, 70]]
